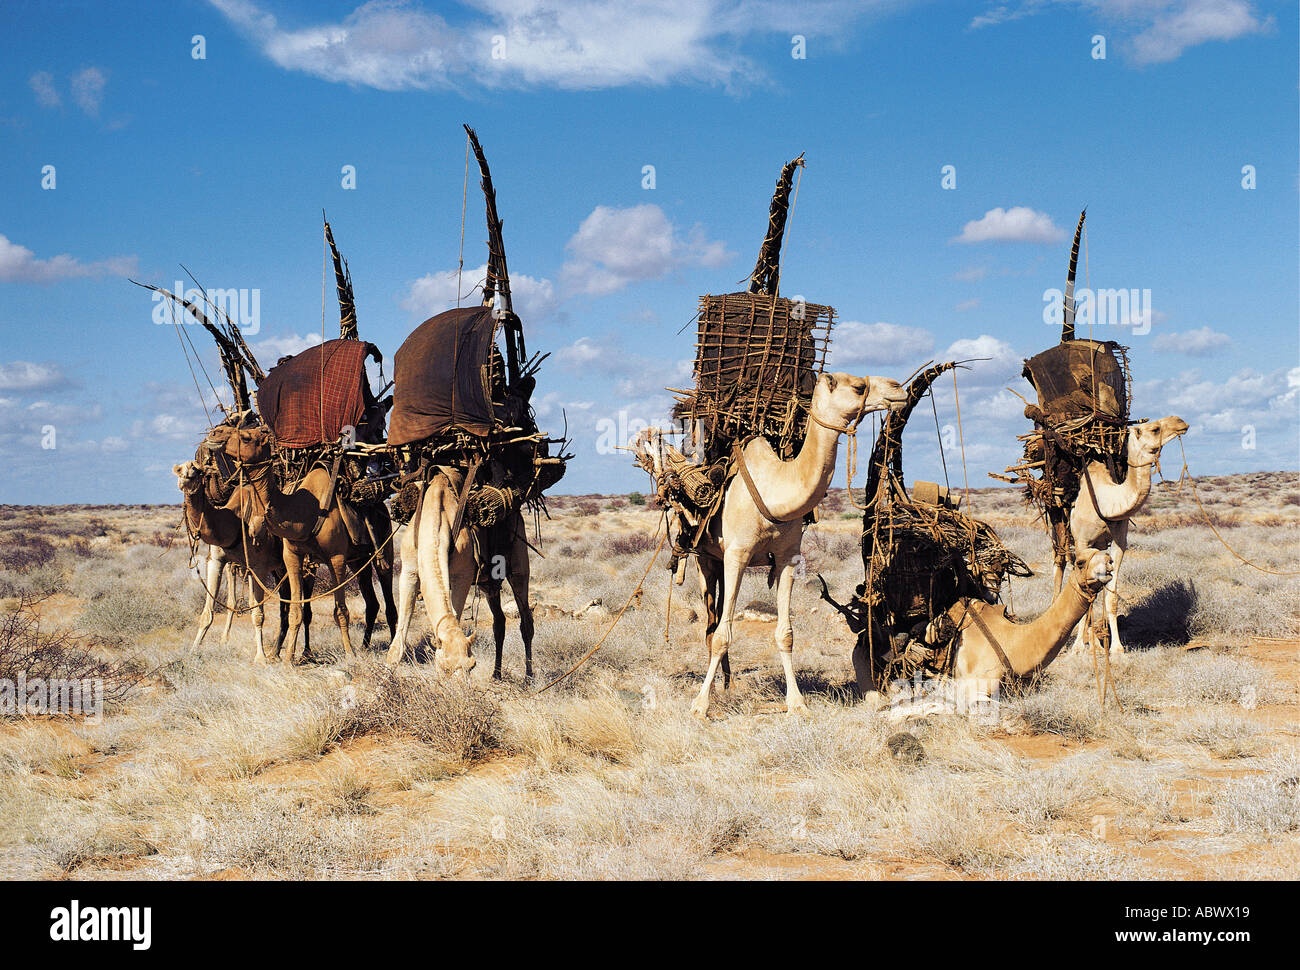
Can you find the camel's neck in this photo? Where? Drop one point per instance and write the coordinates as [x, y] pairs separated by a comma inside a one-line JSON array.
[[1043, 637], [791, 489], [1119, 500], [206, 520]]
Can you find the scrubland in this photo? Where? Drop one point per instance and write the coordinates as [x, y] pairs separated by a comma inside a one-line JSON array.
[[204, 766]]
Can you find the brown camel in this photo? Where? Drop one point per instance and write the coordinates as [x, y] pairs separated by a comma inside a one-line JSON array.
[[310, 522], [229, 542]]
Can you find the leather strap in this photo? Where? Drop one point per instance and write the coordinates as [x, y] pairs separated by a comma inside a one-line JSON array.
[[738, 455]]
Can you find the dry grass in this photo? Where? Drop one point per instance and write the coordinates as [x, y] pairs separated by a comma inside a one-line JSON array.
[[215, 766]]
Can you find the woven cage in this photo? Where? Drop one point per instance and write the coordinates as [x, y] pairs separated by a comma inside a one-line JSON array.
[[757, 359]]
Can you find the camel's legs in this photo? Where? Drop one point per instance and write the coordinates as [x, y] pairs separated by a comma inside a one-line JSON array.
[[382, 527], [784, 635], [232, 602], [370, 599], [408, 586], [519, 579], [711, 592], [215, 564], [339, 570], [256, 597], [1119, 532], [493, 596], [293, 563], [733, 569]]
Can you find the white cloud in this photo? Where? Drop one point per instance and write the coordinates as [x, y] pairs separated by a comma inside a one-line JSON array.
[[1164, 28], [965, 305], [1017, 224], [42, 85], [1193, 343], [858, 344], [18, 264], [270, 350], [88, 89], [992, 361], [23, 375], [615, 247], [1187, 24], [576, 45], [434, 292], [582, 351]]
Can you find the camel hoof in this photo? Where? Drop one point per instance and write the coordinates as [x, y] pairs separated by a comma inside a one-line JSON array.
[[260, 660], [700, 709], [796, 706]]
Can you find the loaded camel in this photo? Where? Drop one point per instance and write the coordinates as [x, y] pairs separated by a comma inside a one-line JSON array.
[[445, 567], [767, 520], [990, 647], [228, 540], [1101, 513], [310, 521]]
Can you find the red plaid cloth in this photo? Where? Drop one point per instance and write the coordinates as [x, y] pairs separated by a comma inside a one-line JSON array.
[[312, 397]]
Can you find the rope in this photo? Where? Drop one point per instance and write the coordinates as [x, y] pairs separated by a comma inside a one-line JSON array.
[[364, 566], [961, 434], [1185, 477], [601, 642]]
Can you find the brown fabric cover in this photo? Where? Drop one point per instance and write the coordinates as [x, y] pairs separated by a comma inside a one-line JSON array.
[[441, 377], [311, 397], [1075, 377]]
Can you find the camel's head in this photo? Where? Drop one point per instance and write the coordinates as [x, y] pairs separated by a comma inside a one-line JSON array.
[[455, 648], [1146, 440], [189, 478], [250, 445], [842, 398], [1093, 570]]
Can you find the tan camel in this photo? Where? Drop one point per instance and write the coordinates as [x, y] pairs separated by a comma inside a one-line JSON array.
[[990, 646], [444, 568], [789, 490], [228, 541], [310, 522], [1102, 511]]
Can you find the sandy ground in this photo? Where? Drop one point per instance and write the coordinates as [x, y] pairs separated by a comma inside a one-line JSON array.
[[211, 768]]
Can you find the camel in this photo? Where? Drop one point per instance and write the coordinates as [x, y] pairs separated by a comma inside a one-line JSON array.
[[445, 567], [788, 491], [1101, 514], [309, 520], [990, 646], [229, 541]]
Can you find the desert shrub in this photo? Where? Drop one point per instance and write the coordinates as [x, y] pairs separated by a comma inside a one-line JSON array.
[[27, 649], [635, 498], [629, 544], [451, 716], [130, 612], [23, 552], [586, 508]]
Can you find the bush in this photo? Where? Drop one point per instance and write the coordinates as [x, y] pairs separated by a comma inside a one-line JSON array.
[[451, 716], [635, 498], [22, 552]]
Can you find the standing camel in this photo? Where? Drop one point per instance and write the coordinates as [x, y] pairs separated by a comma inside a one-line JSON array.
[[309, 520], [764, 517], [1101, 513], [229, 540], [444, 568]]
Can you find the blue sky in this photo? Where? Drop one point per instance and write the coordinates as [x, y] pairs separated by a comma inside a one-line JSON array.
[[224, 163]]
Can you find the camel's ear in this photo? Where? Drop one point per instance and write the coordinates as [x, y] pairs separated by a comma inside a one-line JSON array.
[[829, 378]]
